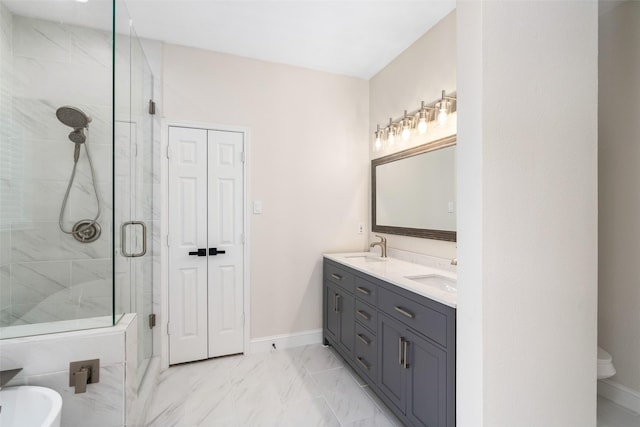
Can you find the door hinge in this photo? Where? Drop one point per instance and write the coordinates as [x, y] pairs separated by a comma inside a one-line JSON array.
[[243, 156], [152, 320], [152, 107], [168, 152]]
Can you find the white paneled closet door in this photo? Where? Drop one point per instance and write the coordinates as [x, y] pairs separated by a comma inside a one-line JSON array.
[[188, 332], [206, 232], [225, 234]]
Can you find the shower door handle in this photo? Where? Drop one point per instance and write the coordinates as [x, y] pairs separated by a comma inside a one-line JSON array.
[[123, 239]]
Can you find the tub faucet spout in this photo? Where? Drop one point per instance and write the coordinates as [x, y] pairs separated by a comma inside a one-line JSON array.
[[383, 245], [6, 376]]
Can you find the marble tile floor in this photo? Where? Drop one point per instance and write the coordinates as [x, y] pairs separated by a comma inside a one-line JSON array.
[[302, 386]]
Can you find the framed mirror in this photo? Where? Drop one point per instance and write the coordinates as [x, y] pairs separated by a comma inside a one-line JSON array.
[[413, 192]]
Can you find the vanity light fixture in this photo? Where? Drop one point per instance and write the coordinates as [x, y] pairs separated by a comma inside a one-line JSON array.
[[378, 142], [418, 119], [443, 109], [406, 127], [391, 132], [422, 120]]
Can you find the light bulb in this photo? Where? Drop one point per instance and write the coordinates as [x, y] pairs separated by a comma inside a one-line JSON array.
[[442, 116], [391, 132], [377, 145], [422, 125], [406, 133]]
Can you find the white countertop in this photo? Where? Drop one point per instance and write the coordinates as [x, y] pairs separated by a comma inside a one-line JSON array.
[[395, 271]]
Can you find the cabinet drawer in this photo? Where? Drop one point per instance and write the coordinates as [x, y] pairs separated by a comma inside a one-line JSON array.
[[366, 315], [366, 351], [339, 276], [366, 291], [424, 320]]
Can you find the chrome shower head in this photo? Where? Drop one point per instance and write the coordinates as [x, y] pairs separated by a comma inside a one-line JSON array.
[[73, 117]]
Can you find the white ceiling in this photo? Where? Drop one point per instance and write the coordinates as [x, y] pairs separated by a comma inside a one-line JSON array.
[[352, 37]]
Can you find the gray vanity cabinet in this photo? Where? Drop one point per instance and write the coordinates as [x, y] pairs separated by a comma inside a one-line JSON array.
[[404, 343], [339, 309], [392, 379], [412, 373]]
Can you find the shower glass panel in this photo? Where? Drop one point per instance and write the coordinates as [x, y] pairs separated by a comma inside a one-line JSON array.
[[78, 170], [134, 183], [56, 144]]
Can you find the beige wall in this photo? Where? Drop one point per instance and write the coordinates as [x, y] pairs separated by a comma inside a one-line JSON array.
[[307, 164], [527, 146], [420, 73], [619, 191]]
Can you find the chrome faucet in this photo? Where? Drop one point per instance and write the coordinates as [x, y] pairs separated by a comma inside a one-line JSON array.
[[383, 245]]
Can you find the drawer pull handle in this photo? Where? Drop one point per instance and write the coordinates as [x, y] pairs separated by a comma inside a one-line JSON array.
[[363, 364], [363, 339], [363, 291], [404, 312], [336, 276], [405, 365], [364, 315]]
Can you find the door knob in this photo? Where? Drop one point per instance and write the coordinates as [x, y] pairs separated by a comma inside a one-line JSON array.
[[199, 252], [215, 251]]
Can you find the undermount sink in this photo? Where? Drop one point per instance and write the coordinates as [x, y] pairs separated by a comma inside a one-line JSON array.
[[30, 406], [365, 258], [445, 283]]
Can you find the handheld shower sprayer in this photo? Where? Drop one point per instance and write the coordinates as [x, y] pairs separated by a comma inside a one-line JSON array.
[[86, 230]]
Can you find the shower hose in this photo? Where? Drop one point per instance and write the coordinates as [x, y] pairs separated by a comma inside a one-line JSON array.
[[76, 156]]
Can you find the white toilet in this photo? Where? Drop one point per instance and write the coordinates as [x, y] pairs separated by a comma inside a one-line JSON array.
[[605, 365]]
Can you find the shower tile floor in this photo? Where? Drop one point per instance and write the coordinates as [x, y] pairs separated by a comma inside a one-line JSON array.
[[302, 386]]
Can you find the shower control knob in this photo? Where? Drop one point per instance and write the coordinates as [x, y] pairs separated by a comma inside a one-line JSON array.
[[199, 252]]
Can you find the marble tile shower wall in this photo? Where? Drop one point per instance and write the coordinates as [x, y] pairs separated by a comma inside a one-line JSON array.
[[46, 275], [7, 206]]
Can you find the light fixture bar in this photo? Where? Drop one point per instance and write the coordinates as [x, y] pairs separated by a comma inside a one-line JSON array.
[[418, 118]]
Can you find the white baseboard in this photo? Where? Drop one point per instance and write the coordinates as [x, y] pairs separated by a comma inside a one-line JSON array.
[[619, 394], [297, 339]]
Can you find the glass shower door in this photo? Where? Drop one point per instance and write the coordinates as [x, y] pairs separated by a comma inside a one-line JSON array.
[[134, 185], [143, 207]]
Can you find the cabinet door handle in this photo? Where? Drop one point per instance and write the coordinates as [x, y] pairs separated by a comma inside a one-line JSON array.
[[404, 312], [405, 364], [363, 364], [400, 341], [363, 339], [336, 303], [336, 276], [363, 291], [364, 315]]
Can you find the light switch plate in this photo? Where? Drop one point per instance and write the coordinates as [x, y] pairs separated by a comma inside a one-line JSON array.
[[257, 207]]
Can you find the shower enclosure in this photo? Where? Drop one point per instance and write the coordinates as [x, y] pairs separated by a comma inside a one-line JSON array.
[[79, 170]]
